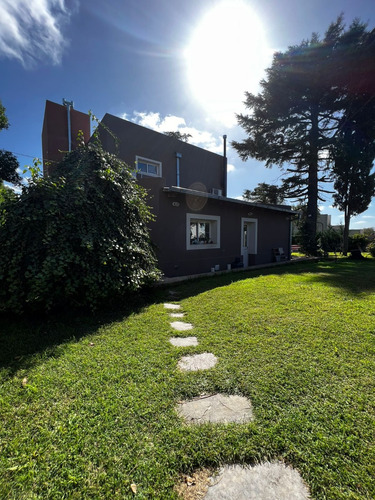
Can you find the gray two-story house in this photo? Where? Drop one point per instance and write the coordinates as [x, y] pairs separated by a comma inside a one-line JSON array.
[[197, 228]]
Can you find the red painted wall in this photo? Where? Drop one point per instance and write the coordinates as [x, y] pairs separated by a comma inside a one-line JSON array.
[[55, 133]]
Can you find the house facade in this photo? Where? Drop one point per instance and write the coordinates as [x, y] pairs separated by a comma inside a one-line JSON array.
[[197, 228]]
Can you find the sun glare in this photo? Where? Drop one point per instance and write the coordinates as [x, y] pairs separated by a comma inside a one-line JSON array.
[[226, 56]]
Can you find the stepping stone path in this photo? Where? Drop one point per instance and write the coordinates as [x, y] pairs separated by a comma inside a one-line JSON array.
[[216, 409], [267, 481], [197, 362], [181, 326], [172, 306], [183, 341]]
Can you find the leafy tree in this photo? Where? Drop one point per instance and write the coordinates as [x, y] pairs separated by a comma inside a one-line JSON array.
[[296, 116], [76, 238], [3, 118], [353, 181], [8, 168], [265, 193], [6, 194], [369, 233], [354, 154], [179, 135], [8, 162]]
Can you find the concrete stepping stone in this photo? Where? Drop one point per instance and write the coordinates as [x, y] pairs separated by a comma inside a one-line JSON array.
[[267, 481], [217, 408], [181, 326], [177, 315], [172, 306], [183, 341], [197, 362]]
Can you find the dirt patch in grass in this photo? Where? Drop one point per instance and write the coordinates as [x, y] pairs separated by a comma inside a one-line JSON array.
[[194, 487]]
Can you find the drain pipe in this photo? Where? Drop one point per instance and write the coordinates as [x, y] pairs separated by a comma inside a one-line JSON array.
[[69, 105], [178, 157], [225, 163]]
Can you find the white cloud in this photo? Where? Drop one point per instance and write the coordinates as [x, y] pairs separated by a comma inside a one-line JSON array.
[[231, 168], [357, 223], [171, 123], [30, 30]]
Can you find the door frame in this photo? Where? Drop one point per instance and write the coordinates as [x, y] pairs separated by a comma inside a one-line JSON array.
[[252, 239]]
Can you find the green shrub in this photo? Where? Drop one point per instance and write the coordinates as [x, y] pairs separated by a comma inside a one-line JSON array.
[[330, 240], [371, 249], [358, 242], [76, 238]]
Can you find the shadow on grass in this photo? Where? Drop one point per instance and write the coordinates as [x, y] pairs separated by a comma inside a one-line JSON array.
[[352, 276], [25, 341], [355, 277]]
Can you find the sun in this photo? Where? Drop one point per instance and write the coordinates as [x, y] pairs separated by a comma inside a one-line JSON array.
[[226, 56]]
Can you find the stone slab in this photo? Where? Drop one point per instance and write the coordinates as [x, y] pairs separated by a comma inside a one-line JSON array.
[[217, 408], [172, 306], [177, 315], [181, 326], [197, 362], [183, 341], [267, 481]]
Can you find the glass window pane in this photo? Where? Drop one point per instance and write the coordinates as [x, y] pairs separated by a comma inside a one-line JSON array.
[[142, 167], [193, 233], [244, 244], [152, 169]]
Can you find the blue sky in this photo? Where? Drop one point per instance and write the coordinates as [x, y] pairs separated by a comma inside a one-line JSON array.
[[166, 64]]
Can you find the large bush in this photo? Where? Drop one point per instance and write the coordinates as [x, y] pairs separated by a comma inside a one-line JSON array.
[[330, 240], [358, 242], [76, 238], [371, 249]]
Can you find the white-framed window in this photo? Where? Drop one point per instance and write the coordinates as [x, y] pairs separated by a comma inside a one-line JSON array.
[[145, 166], [202, 232]]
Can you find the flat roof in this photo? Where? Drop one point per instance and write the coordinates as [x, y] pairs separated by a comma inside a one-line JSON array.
[[192, 192]]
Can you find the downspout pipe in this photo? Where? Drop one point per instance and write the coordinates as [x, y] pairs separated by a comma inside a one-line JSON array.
[[69, 105], [178, 157], [225, 165]]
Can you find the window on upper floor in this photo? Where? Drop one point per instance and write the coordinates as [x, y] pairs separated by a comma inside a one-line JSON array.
[[145, 166], [202, 232]]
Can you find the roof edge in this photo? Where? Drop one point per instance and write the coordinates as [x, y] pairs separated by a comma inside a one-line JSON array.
[[192, 192]]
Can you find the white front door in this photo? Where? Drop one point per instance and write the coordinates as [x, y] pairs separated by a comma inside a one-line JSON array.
[[249, 229]]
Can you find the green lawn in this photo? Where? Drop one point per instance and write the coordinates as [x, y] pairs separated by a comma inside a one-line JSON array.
[[87, 404]]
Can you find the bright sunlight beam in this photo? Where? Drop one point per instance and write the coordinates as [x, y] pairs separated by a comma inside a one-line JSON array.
[[227, 55]]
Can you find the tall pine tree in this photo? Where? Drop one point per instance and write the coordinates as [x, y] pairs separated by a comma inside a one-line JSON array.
[[295, 119]]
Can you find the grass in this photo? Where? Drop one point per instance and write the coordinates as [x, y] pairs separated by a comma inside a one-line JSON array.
[[87, 405]]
